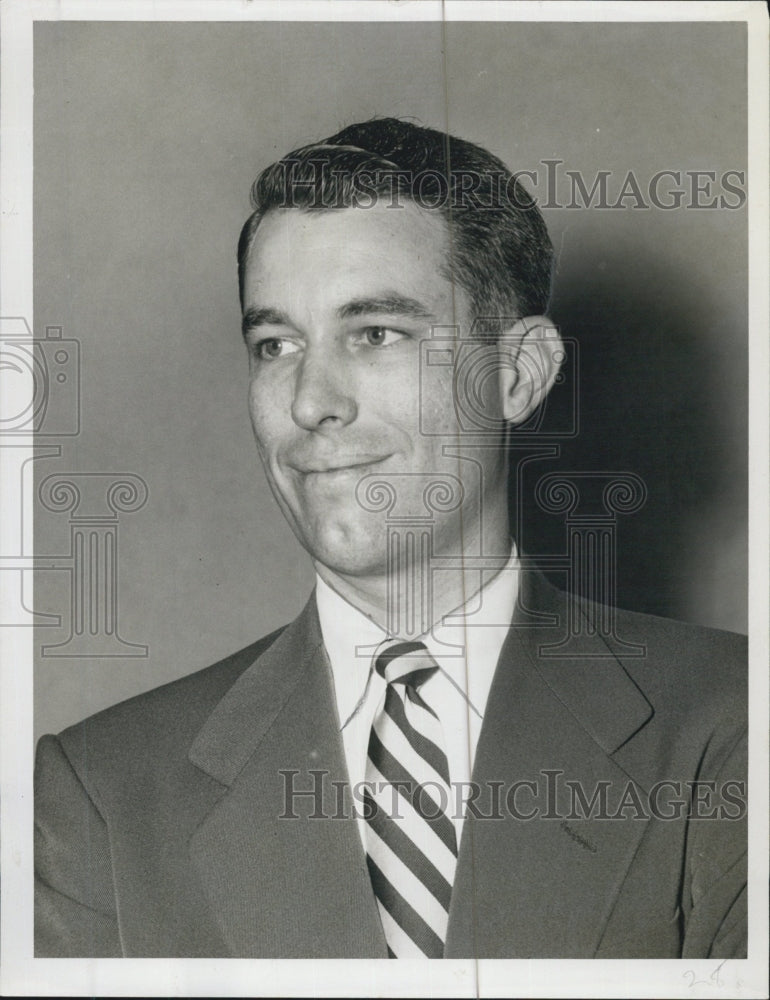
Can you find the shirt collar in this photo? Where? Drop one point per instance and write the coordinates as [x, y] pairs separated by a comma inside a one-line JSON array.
[[474, 634], [350, 638], [466, 644]]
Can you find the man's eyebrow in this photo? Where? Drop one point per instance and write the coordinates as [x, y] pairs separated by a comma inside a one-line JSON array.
[[392, 305], [261, 317]]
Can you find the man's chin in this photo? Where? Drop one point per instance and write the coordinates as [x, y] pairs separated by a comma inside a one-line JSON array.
[[349, 553]]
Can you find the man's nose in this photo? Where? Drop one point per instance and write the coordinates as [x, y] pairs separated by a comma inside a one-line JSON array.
[[323, 393]]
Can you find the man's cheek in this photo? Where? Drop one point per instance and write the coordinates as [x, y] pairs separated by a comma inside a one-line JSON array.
[[266, 419]]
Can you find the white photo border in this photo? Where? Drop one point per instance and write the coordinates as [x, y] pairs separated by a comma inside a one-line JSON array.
[[24, 975]]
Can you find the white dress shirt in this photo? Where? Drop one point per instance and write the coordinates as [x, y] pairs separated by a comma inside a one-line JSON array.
[[465, 644]]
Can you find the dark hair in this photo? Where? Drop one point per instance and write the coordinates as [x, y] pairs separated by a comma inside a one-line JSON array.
[[500, 251]]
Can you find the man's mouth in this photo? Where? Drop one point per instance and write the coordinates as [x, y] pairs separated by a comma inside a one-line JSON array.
[[358, 465]]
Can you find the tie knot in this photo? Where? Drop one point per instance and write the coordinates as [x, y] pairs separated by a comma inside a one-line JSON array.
[[407, 663]]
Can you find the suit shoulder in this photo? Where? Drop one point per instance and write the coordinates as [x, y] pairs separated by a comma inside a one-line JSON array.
[[685, 640], [171, 712], [694, 664]]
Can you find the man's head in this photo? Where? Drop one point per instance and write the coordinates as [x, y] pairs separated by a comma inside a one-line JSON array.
[[347, 268]]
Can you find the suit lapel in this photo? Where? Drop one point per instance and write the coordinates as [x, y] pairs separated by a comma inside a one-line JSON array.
[[545, 886], [281, 883]]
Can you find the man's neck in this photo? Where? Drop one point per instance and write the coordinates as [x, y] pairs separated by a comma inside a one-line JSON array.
[[408, 602]]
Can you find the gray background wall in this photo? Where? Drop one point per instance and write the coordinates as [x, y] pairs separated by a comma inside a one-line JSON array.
[[147, 137]]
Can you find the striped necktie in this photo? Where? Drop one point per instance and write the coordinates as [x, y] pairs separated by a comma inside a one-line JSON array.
[[410, 838]]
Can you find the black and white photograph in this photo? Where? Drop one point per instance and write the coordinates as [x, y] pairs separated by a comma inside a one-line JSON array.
[[385, 499]]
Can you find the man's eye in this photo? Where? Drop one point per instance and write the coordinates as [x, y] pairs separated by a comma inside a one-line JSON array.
[[272, 348], [381, 336]]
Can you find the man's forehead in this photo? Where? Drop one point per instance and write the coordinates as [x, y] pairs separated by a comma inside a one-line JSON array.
[[352, 255], [426, 231]]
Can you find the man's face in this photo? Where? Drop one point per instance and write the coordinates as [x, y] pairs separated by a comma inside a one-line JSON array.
[[336, 305]]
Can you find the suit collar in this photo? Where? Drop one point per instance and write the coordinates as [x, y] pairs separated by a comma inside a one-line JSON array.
[[574, 671], [239, 722], [542, 883], [583, 670], [281, 883]]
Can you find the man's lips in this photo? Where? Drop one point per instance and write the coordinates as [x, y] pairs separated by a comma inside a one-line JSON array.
[[358, 463]]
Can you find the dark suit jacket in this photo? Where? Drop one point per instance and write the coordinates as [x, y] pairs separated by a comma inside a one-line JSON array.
[[159, 828]]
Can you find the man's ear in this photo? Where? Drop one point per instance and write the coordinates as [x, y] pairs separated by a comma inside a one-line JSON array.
[[531, 353]]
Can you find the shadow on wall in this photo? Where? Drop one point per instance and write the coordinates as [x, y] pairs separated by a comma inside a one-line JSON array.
[[651, 385]]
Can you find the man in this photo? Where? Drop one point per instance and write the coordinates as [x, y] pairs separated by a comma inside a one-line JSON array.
[[443, 755]]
